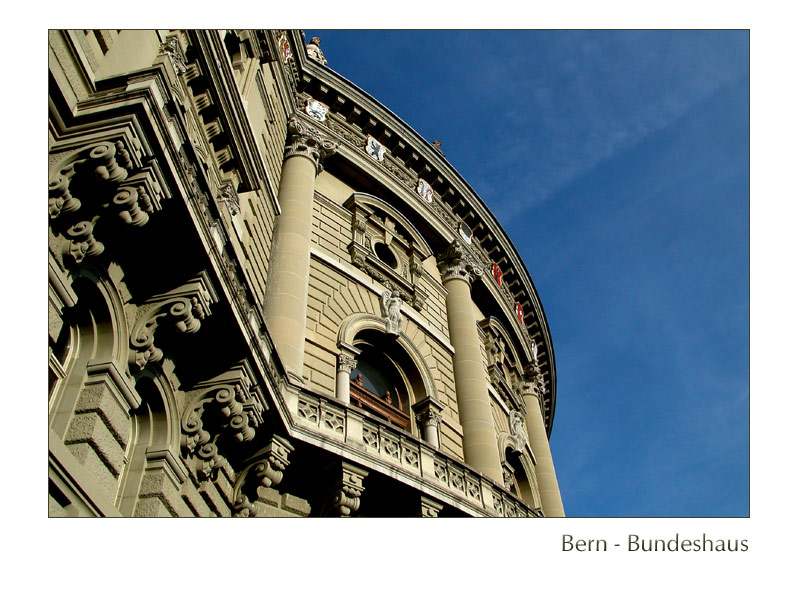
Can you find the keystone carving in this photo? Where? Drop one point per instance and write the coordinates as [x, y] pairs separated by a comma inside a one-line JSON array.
[[307, 140], [266, 471], [456, 262], [185, 307], [227, 406]]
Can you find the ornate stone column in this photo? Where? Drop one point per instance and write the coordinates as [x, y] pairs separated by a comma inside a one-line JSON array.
[[287, 280], [344, 366], [458, 269], [537, 436]]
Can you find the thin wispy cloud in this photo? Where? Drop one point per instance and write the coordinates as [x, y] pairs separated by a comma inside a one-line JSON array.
[[574, 99]]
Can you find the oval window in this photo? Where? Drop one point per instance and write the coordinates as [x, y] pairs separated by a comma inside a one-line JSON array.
[[385, 255]]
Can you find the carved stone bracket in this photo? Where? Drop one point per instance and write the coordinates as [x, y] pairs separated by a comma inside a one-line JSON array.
[[266, 470], [347, 498], [457, 262], [95, 180], [306, 140], [185, 307], [228, 406], [429, 508]]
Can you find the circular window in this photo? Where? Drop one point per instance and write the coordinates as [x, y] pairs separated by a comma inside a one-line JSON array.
[[385, 255]]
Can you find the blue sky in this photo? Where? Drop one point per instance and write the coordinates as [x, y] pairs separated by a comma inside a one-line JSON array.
[[618, 163]]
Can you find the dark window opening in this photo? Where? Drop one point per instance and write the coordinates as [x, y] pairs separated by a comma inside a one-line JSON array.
[[385, 255]]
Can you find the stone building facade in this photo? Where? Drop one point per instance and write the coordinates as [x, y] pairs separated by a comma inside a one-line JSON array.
[[268, 296]]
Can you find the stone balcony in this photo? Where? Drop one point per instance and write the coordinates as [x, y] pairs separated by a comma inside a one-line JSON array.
[[357, 435]]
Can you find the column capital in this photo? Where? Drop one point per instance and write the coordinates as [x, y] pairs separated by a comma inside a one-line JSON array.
[[345, 362], [532, 380], [304, 139], [429, 412], [457, 262]]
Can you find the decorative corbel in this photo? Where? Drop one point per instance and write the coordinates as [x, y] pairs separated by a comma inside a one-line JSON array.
[[347, 498], [265, 471], [227, 406], [103, 175], [429, 507], [185, 307]]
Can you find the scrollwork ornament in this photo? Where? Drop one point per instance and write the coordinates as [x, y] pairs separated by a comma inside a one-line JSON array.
[[186, 308]]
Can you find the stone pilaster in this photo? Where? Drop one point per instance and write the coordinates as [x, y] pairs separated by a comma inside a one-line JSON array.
[[537, 436], [459, 268], [287, 280]]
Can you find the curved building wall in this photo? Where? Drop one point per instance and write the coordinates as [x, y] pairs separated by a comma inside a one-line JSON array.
[[270, 297]]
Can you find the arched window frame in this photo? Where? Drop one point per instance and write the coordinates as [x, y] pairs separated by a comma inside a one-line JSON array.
[[423, 398]]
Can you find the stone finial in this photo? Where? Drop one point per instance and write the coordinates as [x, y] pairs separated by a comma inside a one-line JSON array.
[[313, 51]]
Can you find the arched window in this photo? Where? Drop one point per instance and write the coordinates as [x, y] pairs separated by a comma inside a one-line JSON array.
[[515, 477], [386, 375], [380, 382]]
